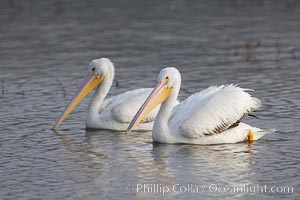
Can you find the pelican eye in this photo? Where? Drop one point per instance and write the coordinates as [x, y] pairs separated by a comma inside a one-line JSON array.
[[167, 77], [93, 68]]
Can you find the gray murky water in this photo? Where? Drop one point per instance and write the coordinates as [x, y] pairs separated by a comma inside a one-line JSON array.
[[45, 47]]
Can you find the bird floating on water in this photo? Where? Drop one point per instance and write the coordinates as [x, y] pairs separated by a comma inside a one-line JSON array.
[[209, 117], [113, 113]]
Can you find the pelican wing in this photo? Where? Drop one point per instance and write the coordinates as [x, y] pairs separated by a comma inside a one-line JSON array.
[[213, 110], [126, 105]]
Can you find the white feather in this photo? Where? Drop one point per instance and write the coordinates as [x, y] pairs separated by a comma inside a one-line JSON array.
[[215, 108]]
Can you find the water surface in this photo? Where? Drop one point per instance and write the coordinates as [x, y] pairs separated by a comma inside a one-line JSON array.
[[45, 47]]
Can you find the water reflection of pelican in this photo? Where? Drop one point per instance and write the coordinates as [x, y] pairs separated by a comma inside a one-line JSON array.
[[138, 161], [93, 158], [226, 163]]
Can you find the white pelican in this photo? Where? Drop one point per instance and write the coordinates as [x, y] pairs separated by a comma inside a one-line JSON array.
[[208, 117], [114, 113]]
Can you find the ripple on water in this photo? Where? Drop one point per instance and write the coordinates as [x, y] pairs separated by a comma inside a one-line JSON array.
[[211, 43]]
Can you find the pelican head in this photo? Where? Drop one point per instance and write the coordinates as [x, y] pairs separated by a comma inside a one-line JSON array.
[[168, 79], [98, 70]]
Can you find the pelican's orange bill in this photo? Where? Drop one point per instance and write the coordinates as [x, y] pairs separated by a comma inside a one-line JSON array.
[[159, 94], [90, 83]]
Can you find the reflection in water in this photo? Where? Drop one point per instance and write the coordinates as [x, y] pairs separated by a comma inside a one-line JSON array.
[[171, 164], [92, 158], [222, 160]]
